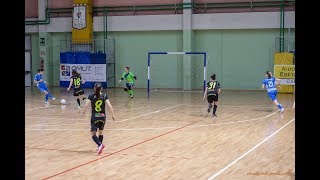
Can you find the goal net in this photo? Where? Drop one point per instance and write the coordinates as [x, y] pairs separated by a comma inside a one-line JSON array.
[[176, 71]]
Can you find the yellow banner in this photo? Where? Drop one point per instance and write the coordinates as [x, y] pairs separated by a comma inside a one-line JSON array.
[[82, 25], [283, 58], [281, 71], [284, 71]]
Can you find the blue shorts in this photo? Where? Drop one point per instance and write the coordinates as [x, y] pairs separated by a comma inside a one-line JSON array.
[[273, 95], [43, 88]]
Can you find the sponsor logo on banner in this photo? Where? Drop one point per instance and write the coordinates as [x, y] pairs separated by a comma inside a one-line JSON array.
[[79, 17], [65, 70], [287, 81], [284, 71], [89, 72]]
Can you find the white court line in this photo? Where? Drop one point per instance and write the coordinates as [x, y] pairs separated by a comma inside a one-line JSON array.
[[149, 113], [73, 124], [233, 162], [239, 106], [156, 128], [39, 108], [131, 108], [78, 123], [235, 122], [120, 120], [34, 100], [45, 117], [177, 91]]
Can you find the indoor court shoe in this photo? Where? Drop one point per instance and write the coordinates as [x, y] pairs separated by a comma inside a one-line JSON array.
[[100, 149], [46, 102], [131, 96], [282, 110], [53, 98], [214, 115]]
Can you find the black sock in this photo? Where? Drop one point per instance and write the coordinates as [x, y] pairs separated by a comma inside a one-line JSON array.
[[214, 109], [78, 100], [101, 138], [96, 140]]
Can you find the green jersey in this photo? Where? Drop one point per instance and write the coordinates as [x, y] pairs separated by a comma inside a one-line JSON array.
[[128, 76]]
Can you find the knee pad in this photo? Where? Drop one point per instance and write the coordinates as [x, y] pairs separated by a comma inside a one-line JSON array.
[[125, 89]]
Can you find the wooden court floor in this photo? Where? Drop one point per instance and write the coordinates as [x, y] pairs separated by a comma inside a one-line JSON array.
[[166, 136]]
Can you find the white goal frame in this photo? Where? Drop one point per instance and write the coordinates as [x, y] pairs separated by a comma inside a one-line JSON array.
[[186, 53]]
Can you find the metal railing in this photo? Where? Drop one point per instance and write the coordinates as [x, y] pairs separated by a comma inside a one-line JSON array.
[[175, 8], [284, 43], [93, 45]]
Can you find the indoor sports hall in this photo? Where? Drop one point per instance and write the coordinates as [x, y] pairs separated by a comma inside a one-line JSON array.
[[162, 89]]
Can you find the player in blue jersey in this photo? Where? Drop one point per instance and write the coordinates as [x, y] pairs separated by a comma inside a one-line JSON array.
[[41, 84], [212, 93], [98, 101], [270, 84]]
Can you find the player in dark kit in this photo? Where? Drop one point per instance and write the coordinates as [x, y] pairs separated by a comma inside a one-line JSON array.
[[212, 92], [76, 80], [98, 102]]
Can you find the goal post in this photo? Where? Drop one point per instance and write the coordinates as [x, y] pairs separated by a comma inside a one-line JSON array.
[[203, 54]]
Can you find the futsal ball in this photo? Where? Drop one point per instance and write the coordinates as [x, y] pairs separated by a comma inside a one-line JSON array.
[[63, 101]]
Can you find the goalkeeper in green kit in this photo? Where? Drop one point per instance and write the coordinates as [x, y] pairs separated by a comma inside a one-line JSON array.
[[130, 78]]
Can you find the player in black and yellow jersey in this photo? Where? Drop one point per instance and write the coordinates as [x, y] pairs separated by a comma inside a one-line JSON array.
[[76, 81], [212, 93], [98, 102]]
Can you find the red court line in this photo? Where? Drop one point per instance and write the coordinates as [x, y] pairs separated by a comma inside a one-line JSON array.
[[56, 149], [121, 150], [63, 150], [52, 149]]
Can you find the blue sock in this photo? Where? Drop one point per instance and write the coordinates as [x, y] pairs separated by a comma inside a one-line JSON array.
[[47, 96], [280, 106]]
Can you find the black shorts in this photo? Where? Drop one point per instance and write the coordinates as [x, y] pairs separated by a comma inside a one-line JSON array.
[[129, 85], [78, 92], [212, 97], [97, 123]]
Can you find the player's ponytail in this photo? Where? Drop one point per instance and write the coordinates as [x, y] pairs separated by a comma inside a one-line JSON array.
[[213, 77], [75, 73], [97, 89], [268, 74], [40, 70]]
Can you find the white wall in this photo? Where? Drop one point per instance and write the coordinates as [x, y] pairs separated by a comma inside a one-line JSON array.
[[257, 20], [250, 20]]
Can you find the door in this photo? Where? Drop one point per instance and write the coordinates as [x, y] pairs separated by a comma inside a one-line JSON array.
[[27, 61], [27, 68]]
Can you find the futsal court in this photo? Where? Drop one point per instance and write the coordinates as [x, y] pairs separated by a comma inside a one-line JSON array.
[[165, 135], [155, 59]]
